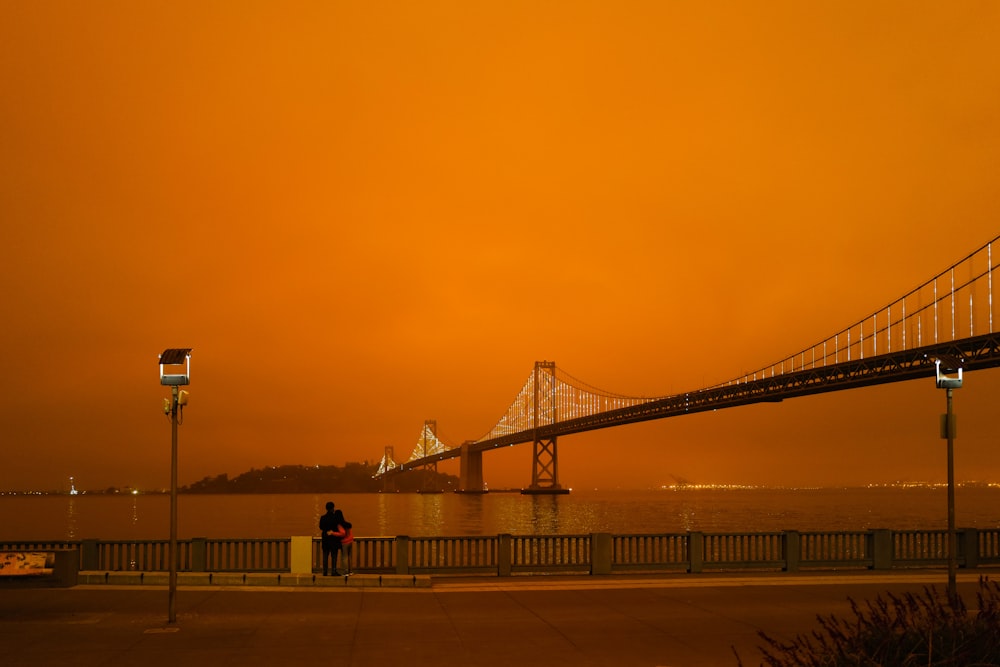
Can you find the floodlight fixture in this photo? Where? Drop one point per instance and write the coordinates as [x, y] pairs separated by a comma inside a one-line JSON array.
[[176, 356], [949, 371]]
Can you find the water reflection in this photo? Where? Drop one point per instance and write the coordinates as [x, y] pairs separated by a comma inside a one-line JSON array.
[[470, 514], [383, 514], [133, 529], [428, 513], [318, 503], [544, 514], [687, 515], [71, 519], [145, 517]]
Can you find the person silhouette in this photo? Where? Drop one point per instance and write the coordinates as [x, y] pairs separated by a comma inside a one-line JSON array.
[[328, 524], [346, 535]]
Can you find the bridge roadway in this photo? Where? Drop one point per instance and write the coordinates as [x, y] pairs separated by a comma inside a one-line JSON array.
[[642, 621], [977, 352]]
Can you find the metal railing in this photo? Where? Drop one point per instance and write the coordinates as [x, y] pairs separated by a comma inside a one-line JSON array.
[[505, 555]]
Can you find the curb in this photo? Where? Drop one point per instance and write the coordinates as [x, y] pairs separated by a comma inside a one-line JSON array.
[[270, 579]]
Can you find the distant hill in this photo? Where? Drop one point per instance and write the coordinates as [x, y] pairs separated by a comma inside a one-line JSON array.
[[352, 478]]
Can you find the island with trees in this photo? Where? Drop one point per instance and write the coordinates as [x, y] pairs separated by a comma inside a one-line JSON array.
[[351, 478]]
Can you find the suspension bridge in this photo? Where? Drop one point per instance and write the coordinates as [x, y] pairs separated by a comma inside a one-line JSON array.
[[947, 320]]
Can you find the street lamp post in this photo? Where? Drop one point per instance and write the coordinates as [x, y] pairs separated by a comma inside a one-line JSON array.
[[948, 371], [174, 406]]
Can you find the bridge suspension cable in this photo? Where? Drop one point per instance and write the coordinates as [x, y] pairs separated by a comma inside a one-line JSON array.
[[428, 443], [559, 396], [386, 464], [955, 304]]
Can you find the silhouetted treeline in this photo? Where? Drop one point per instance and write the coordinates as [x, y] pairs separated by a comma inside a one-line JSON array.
[[352, 478]]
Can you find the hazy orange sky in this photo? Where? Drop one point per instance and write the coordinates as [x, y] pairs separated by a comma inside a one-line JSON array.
[[365, 215]]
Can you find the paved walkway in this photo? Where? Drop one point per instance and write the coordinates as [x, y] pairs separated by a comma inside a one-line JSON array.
[[646, 621]]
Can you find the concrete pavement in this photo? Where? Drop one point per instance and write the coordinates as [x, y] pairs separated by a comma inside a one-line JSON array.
[[678, 620]]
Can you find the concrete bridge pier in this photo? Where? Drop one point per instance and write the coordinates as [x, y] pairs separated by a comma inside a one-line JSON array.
[[470, 477]]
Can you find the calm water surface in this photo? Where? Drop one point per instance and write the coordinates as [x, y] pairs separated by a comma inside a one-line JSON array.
[[730, 510]]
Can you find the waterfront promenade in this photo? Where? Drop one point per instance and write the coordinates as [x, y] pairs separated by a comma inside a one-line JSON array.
[[577, 621]]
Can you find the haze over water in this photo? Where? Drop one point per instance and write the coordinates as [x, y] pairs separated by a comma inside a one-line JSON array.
[[146, 517], [363, 219]]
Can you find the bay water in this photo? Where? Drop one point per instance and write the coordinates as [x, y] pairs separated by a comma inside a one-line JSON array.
[[147, 517]]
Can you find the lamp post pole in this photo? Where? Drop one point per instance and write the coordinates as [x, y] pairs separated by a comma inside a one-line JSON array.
[[952, 536], [172, 579], [948, 370], [173, 407]]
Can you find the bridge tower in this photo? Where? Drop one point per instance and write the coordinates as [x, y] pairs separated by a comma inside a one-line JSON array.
[[427, 447], [388, 481], [430, 428], [544, 460]]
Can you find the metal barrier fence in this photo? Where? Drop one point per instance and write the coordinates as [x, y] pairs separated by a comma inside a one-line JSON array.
[[836, 549], [148, 556], [657, 552], [598, 553], [452, 554], [554, 553], [764, 550], [268, 555]]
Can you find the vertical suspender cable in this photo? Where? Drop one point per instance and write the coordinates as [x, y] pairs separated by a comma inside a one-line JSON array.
[[953, 303]]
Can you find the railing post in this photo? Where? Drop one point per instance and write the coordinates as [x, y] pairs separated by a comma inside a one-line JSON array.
[[199, 554], [600, 553], [504, 542], [402, 554], [793, 550], [969, 547], [90, 555], [881, 549], [301, 557], [66, 567], [696, 551]]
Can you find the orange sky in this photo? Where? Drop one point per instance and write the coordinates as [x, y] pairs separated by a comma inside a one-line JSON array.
[[365, 215]]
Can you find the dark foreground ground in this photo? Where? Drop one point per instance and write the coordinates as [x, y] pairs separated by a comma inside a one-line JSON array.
[[677, 621]]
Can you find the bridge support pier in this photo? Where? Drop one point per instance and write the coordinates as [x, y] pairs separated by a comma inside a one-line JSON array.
[[545, 469], [470, 476]]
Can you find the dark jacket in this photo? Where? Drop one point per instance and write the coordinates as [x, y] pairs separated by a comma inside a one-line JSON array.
[[328, 523]]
